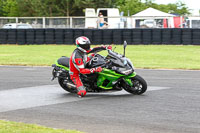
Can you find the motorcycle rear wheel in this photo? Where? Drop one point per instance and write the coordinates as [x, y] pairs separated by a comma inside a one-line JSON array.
[[62, 83], [139, 86]]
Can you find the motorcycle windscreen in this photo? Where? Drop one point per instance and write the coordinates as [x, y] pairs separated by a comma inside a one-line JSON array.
[[97, 61]]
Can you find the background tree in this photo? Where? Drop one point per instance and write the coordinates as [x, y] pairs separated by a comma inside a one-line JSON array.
[[1, 6], [49, 8], [178, 8], [135, 6], [9, 8]]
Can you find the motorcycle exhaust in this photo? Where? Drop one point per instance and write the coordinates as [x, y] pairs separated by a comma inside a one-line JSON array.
[[70, 85]]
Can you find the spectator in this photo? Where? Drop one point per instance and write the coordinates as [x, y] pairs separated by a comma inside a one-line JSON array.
[[101, 20], [105, 26]]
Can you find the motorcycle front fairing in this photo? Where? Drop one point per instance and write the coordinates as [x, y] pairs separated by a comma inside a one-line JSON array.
[[119, 68], [108, 78]]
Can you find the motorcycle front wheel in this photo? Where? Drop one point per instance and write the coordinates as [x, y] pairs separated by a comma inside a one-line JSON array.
[[139, 85]]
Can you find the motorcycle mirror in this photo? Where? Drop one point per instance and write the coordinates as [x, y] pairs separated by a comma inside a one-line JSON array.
[[114, 48], [125, 44]]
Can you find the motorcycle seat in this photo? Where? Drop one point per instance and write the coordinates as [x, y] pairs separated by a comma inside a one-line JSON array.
[[64, 61]]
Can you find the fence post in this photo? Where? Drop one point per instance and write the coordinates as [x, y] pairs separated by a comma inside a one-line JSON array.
[[16, 20], [181, 22], [43, 22], [70, 22]]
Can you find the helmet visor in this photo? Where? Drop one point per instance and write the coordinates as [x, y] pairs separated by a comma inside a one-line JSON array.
[[85, 46]]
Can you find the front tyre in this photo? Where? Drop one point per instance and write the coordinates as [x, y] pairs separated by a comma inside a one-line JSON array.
[[139, 85]]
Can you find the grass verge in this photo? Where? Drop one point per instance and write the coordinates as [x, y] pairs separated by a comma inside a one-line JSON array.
[[14, 127], [142, 56]]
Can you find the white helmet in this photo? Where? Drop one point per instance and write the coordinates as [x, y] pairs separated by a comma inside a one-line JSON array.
[[83, 43]]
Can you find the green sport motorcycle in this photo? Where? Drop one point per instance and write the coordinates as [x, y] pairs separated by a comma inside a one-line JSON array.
[[118, 73]]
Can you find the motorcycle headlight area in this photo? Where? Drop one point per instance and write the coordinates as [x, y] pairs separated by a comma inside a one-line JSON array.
[[125, 72]]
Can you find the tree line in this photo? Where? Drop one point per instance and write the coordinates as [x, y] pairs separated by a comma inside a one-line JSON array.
[[53, 8]]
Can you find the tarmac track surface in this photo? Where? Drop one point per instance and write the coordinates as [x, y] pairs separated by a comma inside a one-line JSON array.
[[171, 104]]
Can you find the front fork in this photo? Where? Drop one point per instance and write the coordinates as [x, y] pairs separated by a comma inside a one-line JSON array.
[[128, 80]]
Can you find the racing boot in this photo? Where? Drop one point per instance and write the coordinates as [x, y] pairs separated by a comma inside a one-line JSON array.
[[81, 91]]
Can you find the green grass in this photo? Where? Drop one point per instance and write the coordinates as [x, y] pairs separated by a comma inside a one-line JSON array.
[[14, 127], [142, 56]]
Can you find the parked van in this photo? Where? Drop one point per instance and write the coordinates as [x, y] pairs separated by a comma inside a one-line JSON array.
[[111, 16], [91, 18], [193, 22]]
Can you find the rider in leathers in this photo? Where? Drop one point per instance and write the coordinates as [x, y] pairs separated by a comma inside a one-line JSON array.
[[78, 62]]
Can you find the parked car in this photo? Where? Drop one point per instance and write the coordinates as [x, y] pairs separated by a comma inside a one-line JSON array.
[[17, 26]]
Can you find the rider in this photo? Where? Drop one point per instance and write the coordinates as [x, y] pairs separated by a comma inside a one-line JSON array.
[[79, 59]]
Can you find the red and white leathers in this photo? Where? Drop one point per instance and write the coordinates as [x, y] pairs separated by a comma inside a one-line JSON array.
[[78, 62]]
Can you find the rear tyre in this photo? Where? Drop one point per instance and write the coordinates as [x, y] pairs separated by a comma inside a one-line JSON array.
[[139, 85], [63, 80]]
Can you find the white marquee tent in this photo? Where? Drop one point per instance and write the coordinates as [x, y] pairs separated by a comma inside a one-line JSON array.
[[151, 13]]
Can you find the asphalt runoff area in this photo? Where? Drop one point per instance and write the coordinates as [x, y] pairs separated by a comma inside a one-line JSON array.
[[171, 104]]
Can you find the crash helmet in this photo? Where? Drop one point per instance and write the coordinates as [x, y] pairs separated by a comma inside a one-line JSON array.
[[83, 43]]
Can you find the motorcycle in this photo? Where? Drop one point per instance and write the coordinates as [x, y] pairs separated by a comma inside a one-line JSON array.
[[118, 74]]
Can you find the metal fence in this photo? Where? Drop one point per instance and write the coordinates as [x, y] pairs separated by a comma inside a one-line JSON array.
[[110, 22]]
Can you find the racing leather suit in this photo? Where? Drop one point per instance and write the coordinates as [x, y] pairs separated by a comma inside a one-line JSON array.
[[78, 61]]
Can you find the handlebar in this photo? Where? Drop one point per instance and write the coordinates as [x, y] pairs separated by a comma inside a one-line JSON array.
[[104, 65]]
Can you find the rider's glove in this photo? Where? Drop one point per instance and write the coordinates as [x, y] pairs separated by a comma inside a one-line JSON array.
[[108, 47], [97, 69]]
